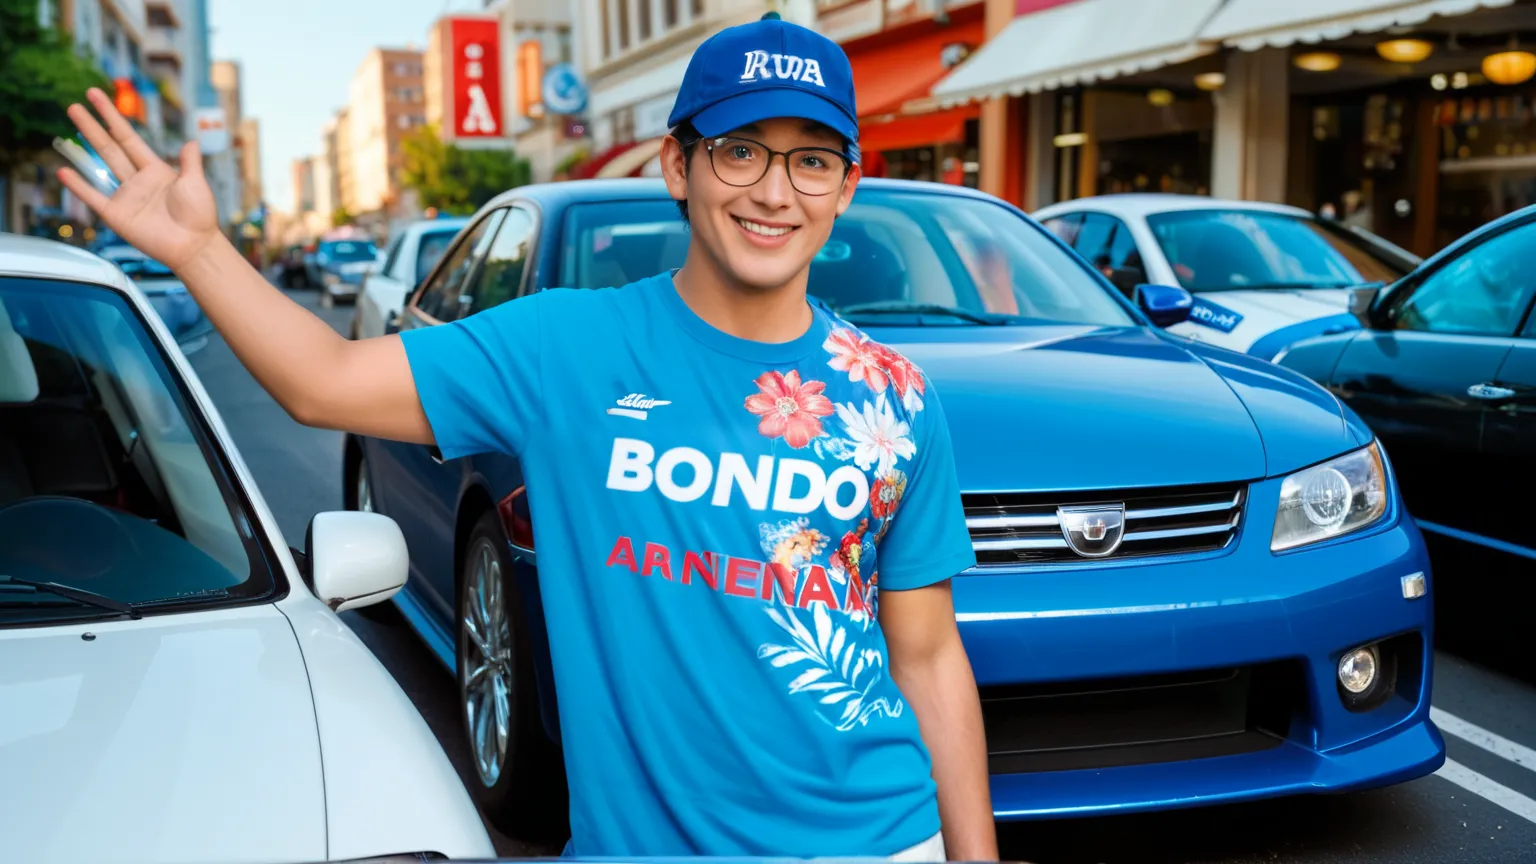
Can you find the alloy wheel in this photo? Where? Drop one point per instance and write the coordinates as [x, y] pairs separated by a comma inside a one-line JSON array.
[[485, 663]]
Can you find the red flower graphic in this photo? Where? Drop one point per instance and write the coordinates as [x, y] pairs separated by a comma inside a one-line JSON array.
[[904, 374], [846, 558], [886, 494], [862, 359], [788, 408]]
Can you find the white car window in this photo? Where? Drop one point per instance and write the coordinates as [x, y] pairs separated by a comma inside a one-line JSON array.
[[107, 481]]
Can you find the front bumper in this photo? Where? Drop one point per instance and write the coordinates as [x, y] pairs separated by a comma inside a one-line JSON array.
[[1049, 635]]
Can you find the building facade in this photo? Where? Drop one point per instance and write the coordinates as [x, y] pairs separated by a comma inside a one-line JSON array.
[[386, 101], [634, 54], [1415, 120]]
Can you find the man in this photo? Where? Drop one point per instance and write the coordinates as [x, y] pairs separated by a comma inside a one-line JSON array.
[[746, 512]]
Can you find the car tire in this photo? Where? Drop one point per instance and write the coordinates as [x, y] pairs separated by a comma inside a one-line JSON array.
[[515, 769], [360, 497]]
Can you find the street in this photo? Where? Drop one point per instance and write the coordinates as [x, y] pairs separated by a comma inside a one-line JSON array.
[[1480, 807]]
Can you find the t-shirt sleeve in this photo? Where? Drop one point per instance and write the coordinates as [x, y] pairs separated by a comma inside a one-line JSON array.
[[480, 378], [927, 541]]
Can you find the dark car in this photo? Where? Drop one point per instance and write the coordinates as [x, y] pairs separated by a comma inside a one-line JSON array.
[[1259, 548], [1444, 371]]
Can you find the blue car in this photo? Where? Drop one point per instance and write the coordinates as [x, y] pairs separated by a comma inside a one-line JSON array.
[[1197, 582]]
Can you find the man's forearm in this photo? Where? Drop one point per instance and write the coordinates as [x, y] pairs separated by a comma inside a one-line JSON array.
[[286, 348], [942, 691]]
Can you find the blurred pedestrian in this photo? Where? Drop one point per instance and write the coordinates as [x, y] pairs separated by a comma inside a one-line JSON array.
[[725, 722]]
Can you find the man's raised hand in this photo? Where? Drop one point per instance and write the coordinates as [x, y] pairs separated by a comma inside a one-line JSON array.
[[168, 215]]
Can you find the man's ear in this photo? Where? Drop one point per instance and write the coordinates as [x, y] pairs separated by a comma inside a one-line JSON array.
[[850, 182], [674, 168]]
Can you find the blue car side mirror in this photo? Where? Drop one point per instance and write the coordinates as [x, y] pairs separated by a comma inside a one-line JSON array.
[[1166, 305]]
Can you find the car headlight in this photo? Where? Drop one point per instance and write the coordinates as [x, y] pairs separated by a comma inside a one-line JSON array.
[[1334, 498]]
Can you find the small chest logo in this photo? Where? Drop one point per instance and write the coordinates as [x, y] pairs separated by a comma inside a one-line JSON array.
[[762, 66], [636, 405]]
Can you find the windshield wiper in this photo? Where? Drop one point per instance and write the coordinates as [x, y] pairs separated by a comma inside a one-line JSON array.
[[10, 584], [900, 307]]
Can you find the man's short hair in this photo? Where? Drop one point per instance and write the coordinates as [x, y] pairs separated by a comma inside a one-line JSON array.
[[688, 139]]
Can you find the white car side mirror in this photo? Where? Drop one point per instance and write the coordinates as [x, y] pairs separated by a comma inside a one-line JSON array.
[[355, 559]]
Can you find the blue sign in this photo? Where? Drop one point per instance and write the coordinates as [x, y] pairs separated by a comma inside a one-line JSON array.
[[1213, 316], [563, 90]]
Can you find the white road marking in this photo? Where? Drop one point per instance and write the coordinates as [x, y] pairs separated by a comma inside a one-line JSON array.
[[1489, 790], [1477, 736]]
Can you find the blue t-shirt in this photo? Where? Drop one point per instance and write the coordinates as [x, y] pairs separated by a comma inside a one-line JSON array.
[[714, 519]]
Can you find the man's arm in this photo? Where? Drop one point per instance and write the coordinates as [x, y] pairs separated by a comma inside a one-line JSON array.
[[320, 378], [929, 664]]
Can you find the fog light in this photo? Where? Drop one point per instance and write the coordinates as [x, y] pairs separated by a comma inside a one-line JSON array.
[[1414, 586], [1357, 669]]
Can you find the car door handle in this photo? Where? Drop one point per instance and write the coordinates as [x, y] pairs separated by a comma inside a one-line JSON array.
[[1489, 391]]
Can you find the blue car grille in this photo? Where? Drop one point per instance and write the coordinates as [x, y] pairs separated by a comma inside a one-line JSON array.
[[1024, 528]]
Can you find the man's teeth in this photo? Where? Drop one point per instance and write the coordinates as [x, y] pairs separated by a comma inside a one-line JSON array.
[[763, 229]]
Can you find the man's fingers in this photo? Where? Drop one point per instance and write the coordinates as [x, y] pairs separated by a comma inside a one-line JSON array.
[[139, 152], [84, 190], [191, 160], [105, 147]]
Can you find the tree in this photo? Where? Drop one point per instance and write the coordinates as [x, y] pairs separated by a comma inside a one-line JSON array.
[[41, 73], [456, 180], [340, 217]]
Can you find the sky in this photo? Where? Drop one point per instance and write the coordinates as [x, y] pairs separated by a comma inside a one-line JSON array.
[[297, 58]]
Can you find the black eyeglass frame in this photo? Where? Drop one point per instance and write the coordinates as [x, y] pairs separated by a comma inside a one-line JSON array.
[[711, 143]]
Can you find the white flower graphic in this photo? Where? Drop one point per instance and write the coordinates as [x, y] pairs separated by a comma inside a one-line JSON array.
[[878, 437]]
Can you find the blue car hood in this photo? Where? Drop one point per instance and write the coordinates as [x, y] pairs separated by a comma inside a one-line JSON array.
[[1068, 408]]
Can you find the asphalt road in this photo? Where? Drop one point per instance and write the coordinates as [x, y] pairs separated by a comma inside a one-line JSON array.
[[1481, 807]]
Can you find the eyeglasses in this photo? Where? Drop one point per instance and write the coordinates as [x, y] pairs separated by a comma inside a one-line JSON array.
[[743, 162]]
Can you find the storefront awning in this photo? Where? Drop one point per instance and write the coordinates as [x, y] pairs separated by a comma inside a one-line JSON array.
[[886, 78], [1253, 24], [918, 130], [629, 163], [1078, 43]]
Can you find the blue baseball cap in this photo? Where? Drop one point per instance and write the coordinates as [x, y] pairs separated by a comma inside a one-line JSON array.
[[765, 69]]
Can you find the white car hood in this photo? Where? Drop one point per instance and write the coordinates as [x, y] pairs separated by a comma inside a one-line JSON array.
[[176, 738], [1297, 305], [1259, 312]]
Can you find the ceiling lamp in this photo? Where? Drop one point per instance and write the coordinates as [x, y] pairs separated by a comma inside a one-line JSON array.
[[1209, 81], [1160, 97], [1510, 67], [1404, 50], [1317, 61]]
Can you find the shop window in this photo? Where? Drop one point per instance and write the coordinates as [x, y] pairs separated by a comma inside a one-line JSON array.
[[645, 19], [1485, 292], [697, 7], [669, 14], [623, 24]]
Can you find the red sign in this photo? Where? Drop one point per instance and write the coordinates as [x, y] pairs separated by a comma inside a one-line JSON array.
[[475, 63]]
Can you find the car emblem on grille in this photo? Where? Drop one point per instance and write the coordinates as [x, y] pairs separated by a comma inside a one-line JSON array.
[[1093, 532]]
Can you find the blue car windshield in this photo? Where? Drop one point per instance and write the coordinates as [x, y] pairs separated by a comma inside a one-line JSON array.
[[895, 257], [1228, 250], [347, 251], [108, 481]]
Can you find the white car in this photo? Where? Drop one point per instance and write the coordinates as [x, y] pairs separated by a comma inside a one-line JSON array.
[[408, 259], [1263, 275], [175, 684]]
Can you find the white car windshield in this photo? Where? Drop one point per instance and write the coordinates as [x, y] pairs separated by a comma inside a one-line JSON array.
[[1227, 250], [108, 483], [895, 258]]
